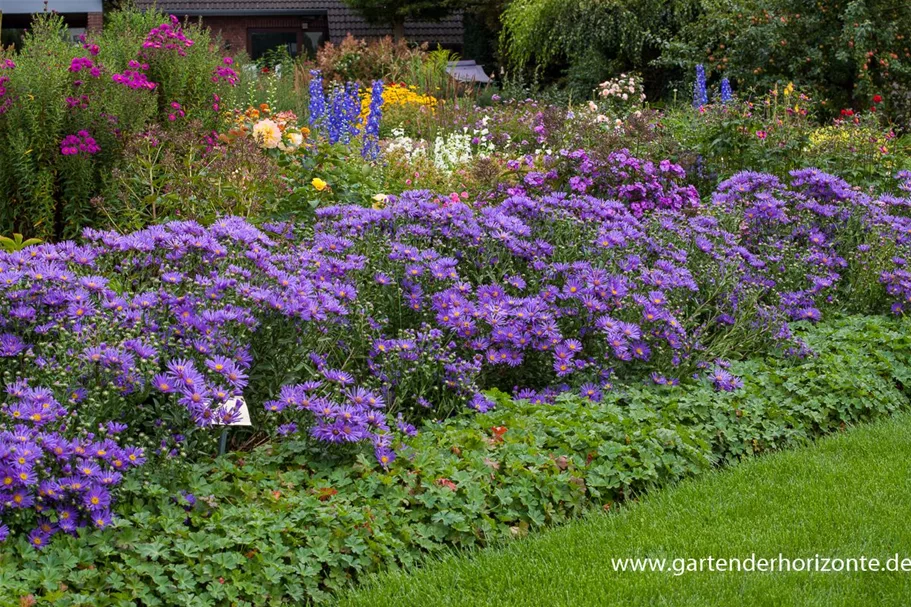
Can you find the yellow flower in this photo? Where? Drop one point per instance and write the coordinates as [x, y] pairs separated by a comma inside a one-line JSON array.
[[399, 95], [291, 141], [319, 184], [789, 89], [379, 201], [267, 133]]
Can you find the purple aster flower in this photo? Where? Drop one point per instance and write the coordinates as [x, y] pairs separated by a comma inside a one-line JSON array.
[[38, 539], [384, 455], [96, 499], [723, 380]]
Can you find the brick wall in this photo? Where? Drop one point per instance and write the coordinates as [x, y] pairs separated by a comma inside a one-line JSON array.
[[233, 30], [94, 22]]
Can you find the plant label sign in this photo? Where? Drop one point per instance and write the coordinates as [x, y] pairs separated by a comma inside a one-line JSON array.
[[240, 404]]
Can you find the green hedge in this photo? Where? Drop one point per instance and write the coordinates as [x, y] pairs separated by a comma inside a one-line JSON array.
[[277, 526]]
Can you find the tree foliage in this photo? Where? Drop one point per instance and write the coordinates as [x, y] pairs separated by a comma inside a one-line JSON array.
[[845, 51], [592, 38]]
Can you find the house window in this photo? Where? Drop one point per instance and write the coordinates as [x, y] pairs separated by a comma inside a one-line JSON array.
[[14, 27], [312, 41], [264, 41]]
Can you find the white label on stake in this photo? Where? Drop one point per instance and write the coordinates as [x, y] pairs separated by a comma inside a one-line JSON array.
[[233, 403]]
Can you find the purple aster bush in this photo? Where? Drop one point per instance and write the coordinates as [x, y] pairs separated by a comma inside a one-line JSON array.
[[350, 330], [52, 479], [890, 217], [642, 185], [813, 242], [529, 293], [126, 327]]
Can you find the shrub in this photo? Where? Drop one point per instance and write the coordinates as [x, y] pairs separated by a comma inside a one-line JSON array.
[[779, 132], [362, 60]]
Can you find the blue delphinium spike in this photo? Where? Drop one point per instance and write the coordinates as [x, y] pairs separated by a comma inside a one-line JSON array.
[[372, 128], [726, 94], [700, 95], [317, 105]]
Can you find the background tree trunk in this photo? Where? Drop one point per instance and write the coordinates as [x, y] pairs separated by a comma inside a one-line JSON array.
[[398, 29]]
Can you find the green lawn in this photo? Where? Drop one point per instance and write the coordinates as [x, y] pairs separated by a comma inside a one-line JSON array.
[[846, 496]]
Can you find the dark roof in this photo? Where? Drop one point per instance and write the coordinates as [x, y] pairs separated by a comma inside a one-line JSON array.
[[342, 19], [27, 7]]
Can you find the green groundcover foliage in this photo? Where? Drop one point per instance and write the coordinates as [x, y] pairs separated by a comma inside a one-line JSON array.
[[278, 527]]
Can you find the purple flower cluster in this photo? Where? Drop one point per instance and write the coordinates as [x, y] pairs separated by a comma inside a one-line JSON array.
[[337, 116], [642, 185], [51, 482], [491, 301], [5, 100], [891, 215], [700, 95], [344, 110], [342, 412], [727, 95], [795, 238], [80, 143], [317, 103], [179, 335], [81, 102]]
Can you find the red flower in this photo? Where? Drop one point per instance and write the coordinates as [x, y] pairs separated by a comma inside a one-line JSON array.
[[847, 112], [877, 99], [498, 432]]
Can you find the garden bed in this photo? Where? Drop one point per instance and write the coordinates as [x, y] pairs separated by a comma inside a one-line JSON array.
[[281, 526], [448, 322]]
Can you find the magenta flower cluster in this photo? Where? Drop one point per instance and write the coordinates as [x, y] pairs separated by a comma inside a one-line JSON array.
[[225, 73], [134, 77], [5, 99], [168, 36], [85, 63], [176, 112], [80, 143]]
